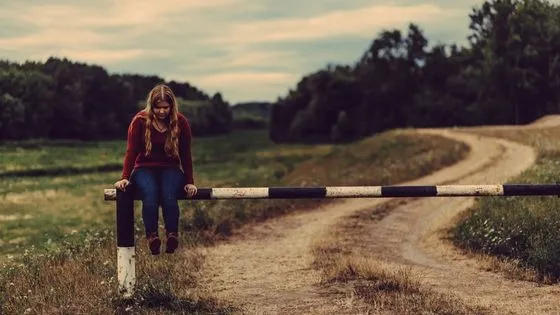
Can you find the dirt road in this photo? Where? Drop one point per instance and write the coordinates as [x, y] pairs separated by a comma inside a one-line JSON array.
[[266, 269]]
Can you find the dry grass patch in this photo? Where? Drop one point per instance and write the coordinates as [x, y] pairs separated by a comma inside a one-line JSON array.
[[543, 139], [86, 282], [509, 268], [385, 287]]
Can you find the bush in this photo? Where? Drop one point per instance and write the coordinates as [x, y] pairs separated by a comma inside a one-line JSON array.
[[519, 228]]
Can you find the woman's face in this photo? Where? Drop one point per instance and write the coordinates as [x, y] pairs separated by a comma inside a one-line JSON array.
[[162, 110]]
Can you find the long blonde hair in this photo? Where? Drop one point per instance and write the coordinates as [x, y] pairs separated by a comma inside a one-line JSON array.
[[159, 93]]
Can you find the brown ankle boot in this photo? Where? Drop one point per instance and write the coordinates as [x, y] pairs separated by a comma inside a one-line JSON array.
[[172, 242], [154, 243]]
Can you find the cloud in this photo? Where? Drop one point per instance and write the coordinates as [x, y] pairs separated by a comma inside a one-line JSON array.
[[293, 47], [142, 13], [263, 85], [129, 26], [246, 49], [356, 22], [108, 55], [245, 58], [54, 38], [227, 60], [245, 78], [78, 45]]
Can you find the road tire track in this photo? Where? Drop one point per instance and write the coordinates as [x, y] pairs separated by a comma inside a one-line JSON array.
[[267, 267]]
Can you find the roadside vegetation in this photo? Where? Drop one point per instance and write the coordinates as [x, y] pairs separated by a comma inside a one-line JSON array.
[[58, 233], [383, 287], [522, 233]]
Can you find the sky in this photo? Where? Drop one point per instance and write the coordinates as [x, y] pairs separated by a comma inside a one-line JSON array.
[[247, 50]]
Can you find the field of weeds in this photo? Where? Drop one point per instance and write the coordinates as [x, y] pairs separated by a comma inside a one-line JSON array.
[[58, 233]]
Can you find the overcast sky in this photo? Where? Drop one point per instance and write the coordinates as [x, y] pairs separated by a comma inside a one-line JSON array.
[[245, 49]]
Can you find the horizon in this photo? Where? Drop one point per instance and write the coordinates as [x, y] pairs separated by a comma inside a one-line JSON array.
[[254, 55]]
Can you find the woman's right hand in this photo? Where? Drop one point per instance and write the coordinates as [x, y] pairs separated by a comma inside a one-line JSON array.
[[121, 184]]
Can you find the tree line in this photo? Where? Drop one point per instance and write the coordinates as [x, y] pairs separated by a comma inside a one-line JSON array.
[[61, 99], [509, 73]]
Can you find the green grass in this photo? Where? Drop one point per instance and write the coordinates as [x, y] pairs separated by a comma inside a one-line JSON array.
[[58, 233], [388, 158], [35, 209], [59, 158], [27, 157], [524, 230]]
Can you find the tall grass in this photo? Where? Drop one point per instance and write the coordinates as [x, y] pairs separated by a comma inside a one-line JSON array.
[[524, 231], [345, 262]]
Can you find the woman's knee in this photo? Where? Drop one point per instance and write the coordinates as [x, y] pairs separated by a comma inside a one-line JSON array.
[[146, 182]]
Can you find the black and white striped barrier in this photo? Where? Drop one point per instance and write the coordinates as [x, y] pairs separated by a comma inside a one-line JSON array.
[[125, 206]]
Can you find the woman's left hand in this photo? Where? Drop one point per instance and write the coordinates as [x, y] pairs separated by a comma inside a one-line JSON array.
[[190, 189]]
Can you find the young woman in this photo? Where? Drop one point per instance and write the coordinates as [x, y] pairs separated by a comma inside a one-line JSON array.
[[158, 163]]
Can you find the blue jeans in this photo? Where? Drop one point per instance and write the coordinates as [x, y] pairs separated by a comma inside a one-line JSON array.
[[159, 186]]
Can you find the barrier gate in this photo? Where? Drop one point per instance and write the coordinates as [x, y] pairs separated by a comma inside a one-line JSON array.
[[126, 273]]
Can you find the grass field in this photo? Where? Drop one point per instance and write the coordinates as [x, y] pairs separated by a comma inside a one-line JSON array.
[[57, 232], [40, 210], [522, 232]]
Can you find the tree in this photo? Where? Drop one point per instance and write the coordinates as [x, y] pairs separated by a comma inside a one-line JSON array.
[[509, 73]]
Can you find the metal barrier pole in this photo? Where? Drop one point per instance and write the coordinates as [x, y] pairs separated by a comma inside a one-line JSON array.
[[125, 206], [366, 191], [126, 273]]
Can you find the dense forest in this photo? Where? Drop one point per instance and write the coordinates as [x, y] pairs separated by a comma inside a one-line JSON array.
[[61, 99], [508, 74]]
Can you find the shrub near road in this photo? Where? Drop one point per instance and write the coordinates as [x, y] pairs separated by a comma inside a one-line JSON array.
[[76, 272], [523, 230]]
